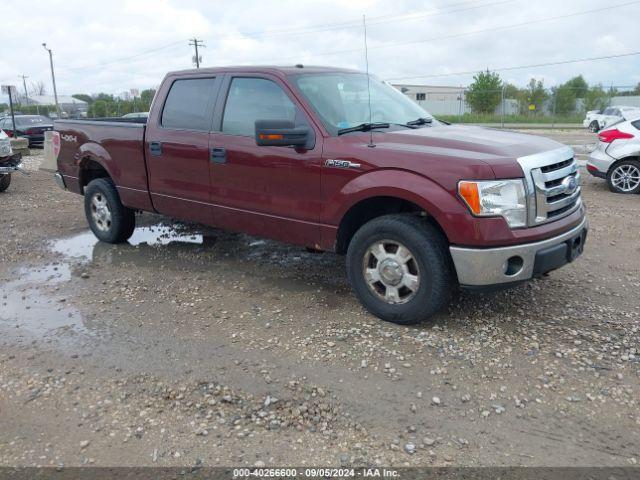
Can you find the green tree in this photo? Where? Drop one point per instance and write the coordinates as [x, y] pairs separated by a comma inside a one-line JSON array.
[[98, 109], [511, 91], [146, 96], [578, 85], [564, 98], [534, 94], [596, 98], [483, 95]]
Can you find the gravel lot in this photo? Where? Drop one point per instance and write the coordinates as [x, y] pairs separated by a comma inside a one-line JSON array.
[[199, 347]]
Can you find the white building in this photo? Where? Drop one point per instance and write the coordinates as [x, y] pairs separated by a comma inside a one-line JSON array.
[[68, 104], [432, 92]]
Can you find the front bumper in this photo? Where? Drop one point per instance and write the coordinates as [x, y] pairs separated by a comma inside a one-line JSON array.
[[11, 164], [485, 267], [36, 140]]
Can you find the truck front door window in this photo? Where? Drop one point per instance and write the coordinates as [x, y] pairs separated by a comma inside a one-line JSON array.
[[252, 99]]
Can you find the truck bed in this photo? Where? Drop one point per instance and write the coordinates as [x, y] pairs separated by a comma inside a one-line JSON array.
[[114, 144]]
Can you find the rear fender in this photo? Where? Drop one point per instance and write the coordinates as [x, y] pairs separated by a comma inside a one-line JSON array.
[[92, 152]]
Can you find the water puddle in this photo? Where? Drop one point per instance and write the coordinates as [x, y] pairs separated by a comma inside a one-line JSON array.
[[85, 246], [32, 303]]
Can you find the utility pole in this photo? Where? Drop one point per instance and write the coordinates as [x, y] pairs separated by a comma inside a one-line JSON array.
[[502, 105], [9, 90], [197, 43], [53, 78], [24, 84]]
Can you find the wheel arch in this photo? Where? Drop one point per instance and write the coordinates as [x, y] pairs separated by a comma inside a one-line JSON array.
[[93, 161], [368, 208], [635, 158], [383, 192]]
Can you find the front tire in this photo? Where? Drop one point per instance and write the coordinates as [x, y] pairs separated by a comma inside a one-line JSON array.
[[594, 127], [5, 181], [624, 177], [109, 220], [400, 269]]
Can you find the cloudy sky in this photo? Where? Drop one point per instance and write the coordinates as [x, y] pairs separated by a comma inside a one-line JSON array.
[[112, 46]]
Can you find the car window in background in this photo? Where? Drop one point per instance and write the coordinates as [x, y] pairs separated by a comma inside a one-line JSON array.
[[252, 99], [188, 105], [32, 120]]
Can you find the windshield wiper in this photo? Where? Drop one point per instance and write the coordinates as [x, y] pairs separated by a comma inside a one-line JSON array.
[[364, 127], [421, 121]]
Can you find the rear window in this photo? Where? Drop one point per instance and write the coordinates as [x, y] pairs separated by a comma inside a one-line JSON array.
[[32, 120], [188, 105], [636, 124]]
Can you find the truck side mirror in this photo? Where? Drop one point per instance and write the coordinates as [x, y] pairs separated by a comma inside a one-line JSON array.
[[280, 133]]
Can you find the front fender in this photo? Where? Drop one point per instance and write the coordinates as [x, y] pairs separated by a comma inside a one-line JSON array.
[[438, 202]]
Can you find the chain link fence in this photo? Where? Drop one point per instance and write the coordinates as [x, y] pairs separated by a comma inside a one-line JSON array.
[[561, 105]]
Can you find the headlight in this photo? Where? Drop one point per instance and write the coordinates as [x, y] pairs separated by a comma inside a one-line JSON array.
[[506, 198]]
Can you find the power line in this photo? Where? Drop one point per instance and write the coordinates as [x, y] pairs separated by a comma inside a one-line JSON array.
[[472, 32], [355, 24], [123, 59], [534, 65], [305, 30]]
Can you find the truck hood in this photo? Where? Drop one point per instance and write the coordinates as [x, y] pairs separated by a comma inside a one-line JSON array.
[[470, 145]]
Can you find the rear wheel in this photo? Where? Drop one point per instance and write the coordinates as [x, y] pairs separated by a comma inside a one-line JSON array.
[[399, 268], [5, 181], [624, 177], [109, 220], [594, 127]]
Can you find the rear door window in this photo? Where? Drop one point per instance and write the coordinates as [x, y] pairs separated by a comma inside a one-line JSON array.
[[252, 99], [189, 105]]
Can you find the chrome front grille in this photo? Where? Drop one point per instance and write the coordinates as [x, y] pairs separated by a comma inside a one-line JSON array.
[[552, 180]]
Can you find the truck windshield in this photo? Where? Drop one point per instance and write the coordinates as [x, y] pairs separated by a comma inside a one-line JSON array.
[[341, 100]]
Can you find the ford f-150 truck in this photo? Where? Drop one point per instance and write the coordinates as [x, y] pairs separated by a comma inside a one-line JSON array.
[[334, 160]]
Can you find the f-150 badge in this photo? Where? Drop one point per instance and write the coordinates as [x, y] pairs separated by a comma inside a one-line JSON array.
[[340, 163]]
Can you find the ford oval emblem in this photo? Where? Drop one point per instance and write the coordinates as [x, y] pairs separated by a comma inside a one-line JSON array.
[[570, 184]]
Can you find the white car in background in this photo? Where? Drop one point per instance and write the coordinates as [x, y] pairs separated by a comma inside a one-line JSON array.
[[596, 120], [5, 156], [617, 156]]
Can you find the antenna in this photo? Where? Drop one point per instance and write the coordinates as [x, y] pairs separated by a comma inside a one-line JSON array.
[[366, 61]]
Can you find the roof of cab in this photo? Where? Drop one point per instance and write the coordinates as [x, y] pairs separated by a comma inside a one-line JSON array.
[[282, 70]]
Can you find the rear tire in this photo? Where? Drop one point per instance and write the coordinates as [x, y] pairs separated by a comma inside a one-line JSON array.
[[624, 177], [400, 269], [5, 181], [109, 220], [594, 127]]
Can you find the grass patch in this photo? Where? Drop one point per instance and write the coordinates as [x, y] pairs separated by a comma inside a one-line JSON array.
[[490, 118]]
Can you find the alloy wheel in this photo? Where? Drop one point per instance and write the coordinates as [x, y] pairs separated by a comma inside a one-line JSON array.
[[391, 271]]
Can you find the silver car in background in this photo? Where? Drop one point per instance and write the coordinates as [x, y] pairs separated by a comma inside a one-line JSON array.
[[617, 156]]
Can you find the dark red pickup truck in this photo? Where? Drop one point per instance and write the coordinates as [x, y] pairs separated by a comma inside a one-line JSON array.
[[317, 157]]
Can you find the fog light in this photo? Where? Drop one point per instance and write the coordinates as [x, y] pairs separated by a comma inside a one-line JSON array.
[[513, 266]]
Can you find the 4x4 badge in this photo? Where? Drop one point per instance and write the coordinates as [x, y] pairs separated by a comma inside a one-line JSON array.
[[340, 164]]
